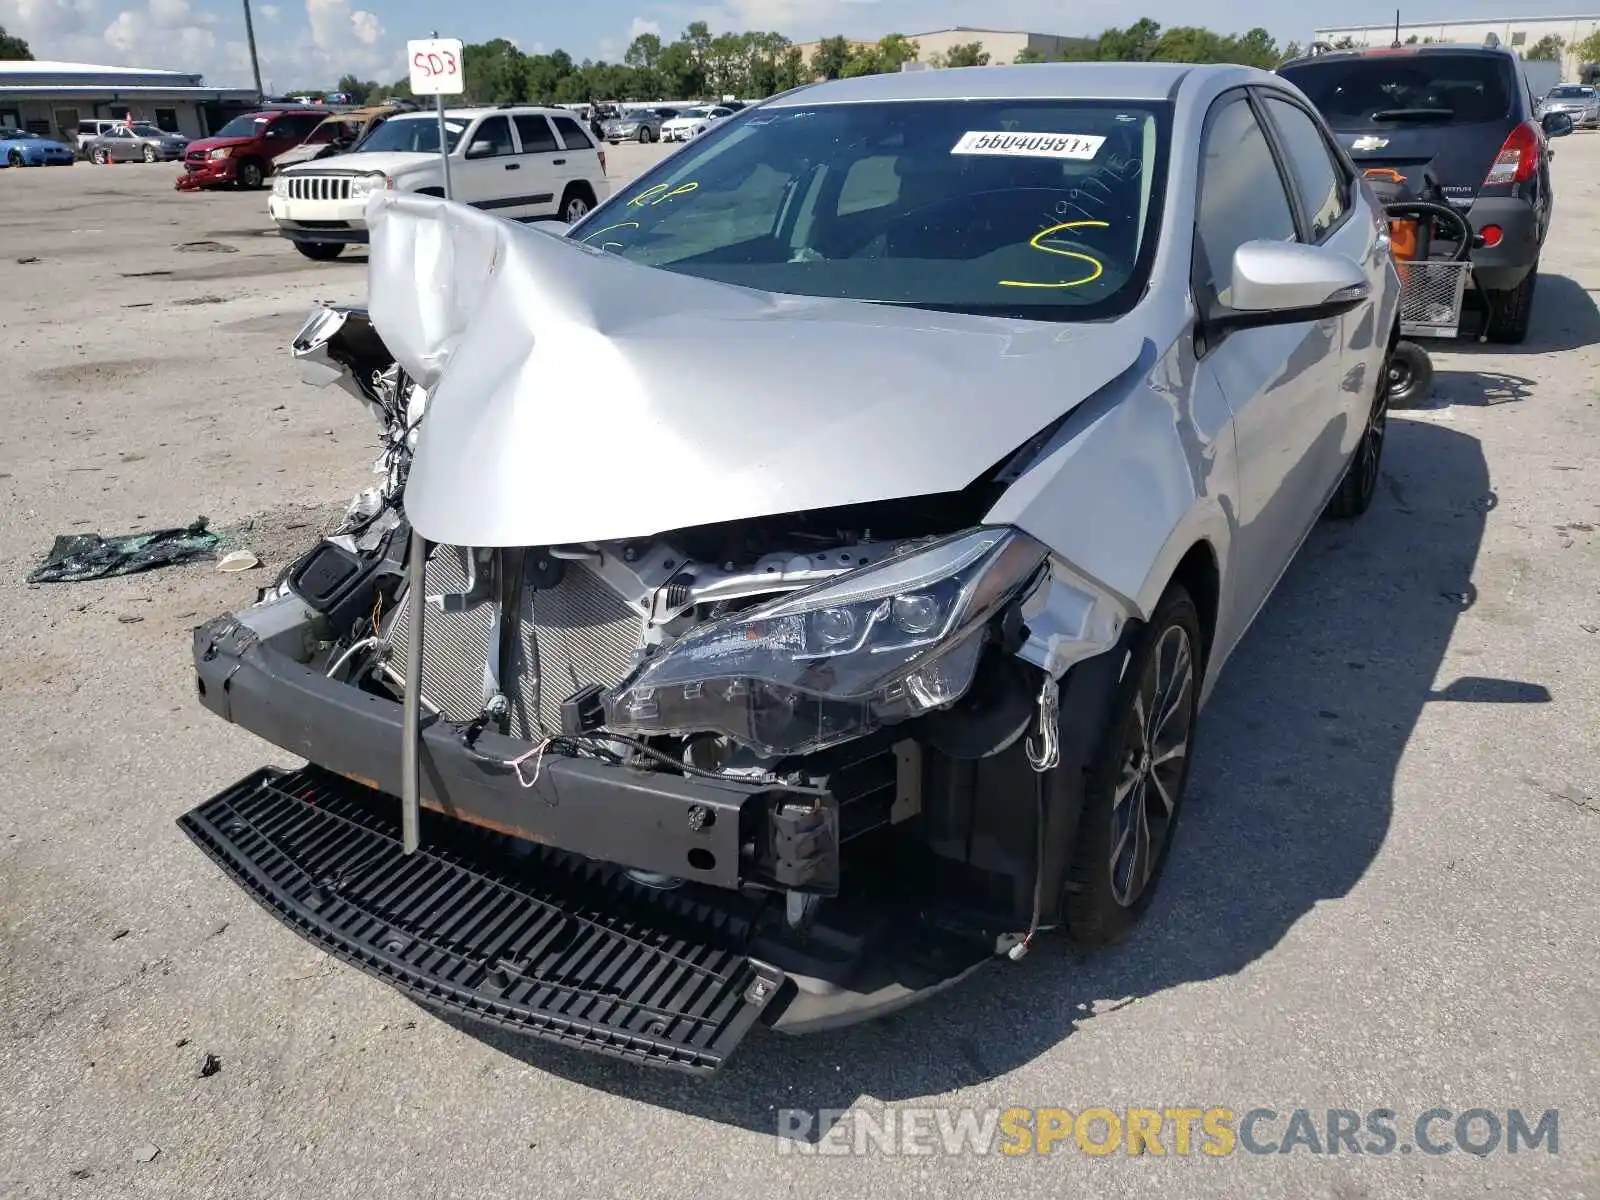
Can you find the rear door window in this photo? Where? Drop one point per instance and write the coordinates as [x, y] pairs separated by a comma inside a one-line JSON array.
[[535, 133], [1383, 91], [572, 134]]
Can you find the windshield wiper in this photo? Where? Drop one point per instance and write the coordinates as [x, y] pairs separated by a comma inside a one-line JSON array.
[[1413, 114]]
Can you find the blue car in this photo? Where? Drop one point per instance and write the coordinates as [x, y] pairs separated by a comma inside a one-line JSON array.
[[19, 148]]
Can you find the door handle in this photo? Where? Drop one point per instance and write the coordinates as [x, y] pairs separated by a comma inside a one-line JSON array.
[[558, 162], [513, 166]]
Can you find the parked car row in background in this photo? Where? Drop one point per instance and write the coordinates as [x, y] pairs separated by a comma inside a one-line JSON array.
[[517, 161], [19, 148]]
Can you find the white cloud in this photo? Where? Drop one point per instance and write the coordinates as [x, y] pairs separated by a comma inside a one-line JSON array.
[[270, 11], [365, 26], [639, 26]]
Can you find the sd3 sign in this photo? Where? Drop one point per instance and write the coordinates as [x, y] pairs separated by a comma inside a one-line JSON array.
[[435, 67]]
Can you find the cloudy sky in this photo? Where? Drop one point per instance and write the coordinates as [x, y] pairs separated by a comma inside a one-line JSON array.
[[310, 43]]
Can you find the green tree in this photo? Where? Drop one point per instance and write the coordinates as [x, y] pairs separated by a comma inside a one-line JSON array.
[[644, 53], [967, 54], [1547, 49], [1588, 50], [13, 49], [495, 72], [1292, 50], [1029, 55], [790, 70], [1254, 48], [830, 57], [1136, 43], [1188, 43], [1345, 43], [681, 76], [360, 91]]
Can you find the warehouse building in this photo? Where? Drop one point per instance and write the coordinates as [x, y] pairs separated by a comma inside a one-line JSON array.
[[1522, 34], [1001, 45], [50, 98]]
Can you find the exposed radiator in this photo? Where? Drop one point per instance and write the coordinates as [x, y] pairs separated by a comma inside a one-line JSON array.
[[576, 633]]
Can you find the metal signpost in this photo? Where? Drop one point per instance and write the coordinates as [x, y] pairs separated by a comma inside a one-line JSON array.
[[436, 71]]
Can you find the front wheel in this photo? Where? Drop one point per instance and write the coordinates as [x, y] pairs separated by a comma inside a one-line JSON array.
[[1360, 482], [1136, 784], [250, 175], [320, 251], [150, 154], [643, 136], [99, 157]]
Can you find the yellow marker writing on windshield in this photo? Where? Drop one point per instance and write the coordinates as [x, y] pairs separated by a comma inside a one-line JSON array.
[[1096, 268], [659, 193], [619, 225]]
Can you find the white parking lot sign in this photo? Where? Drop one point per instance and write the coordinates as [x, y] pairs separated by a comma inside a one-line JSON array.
[[435, 67]]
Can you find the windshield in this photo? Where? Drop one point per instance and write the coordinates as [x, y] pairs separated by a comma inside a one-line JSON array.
[[1571, 93], [1379, 92], [146, 129], [242, 127], [1039, 209], [419, 134]]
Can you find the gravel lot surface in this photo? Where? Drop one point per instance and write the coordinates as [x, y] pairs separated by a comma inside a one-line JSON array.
[[1383, 896]]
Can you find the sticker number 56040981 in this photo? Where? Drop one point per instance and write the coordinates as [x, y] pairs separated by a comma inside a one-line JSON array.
[[1029, 145]]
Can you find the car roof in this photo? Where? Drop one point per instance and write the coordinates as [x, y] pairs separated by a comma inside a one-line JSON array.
[[466, 114], [1431, 48], [1036, 81]]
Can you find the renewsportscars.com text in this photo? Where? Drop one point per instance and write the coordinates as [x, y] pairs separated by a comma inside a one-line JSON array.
[[1214, 1132]]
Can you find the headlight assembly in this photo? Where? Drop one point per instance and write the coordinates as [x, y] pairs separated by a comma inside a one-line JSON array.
[[280, 185], [363, 186], [220, 152], [809, 670]]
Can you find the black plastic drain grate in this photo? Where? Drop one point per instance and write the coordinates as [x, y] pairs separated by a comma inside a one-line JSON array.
[[527, 938]]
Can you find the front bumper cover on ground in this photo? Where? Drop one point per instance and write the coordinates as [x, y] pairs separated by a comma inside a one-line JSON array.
[[540, 942]]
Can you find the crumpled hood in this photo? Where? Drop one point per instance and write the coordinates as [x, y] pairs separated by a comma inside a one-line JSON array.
[[576, 397], [216, 143]]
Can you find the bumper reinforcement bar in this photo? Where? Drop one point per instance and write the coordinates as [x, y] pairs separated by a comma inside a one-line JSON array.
[[536, 940]]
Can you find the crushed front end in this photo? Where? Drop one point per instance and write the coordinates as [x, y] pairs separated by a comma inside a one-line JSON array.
[[798, 769]]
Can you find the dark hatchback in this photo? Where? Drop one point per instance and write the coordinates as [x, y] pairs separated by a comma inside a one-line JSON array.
[[1464, 114]]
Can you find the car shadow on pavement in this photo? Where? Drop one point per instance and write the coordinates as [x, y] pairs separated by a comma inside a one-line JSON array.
[[1289, 802], [1482, 389]]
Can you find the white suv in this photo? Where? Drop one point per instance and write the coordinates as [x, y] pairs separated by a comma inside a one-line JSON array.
[[516, 161]]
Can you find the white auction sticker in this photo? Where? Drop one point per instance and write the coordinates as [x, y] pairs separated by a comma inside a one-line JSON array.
[[1030, 145]]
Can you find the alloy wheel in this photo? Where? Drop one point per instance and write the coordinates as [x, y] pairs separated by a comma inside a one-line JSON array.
[[149, 154], [577, 208], [1155, 755], [1369, 455]]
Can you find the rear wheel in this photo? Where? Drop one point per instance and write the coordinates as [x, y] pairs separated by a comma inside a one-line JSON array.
[[320, 251], [1510, 310], [575, 204], [250, 175], [1136, 785], [643, 136]]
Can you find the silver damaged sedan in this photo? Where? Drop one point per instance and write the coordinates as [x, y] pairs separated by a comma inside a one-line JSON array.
[[795, 585]]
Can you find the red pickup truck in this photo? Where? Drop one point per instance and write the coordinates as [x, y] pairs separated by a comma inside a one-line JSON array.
[[242, 150]]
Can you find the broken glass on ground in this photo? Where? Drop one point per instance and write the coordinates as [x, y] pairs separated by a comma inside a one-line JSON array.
[[80, 556]]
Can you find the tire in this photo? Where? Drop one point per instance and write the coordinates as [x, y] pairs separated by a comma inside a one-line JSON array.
[[150, 154], [1360, 482], [99, 156], [575, 204], [320, 251], [643, 136], [251, 176], [1410, 376], [1510, 311], [1114, 872]]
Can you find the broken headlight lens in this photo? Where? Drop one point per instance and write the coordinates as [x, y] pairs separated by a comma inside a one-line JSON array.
[[871, 647]]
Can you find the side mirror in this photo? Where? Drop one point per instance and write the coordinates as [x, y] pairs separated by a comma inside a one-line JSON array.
[[482, 148], [1556, 124], [1285, 283]]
